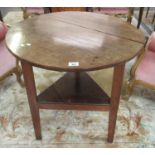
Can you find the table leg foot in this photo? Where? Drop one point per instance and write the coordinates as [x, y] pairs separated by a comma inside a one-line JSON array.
[[38, 137], [110, 139], [36, 123]]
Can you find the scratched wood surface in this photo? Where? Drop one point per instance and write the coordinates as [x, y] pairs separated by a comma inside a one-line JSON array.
[[95, 41]]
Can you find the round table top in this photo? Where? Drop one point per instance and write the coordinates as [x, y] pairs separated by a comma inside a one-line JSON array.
[[74, 41]]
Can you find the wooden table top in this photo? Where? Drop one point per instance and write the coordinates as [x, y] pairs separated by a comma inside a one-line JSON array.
[[74, 41]]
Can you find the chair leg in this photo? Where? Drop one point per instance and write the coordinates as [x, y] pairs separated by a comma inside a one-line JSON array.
[[1, 17], [130, 86], [148, 8], [130, 14], [25, 16], [153, 18], [18, 73], [140, 16]]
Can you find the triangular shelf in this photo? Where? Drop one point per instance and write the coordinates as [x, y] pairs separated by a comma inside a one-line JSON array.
[[66, 90]]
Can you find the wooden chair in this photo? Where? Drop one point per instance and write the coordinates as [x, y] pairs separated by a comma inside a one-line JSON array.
[[124, 12], [143, 71], [8, 63]]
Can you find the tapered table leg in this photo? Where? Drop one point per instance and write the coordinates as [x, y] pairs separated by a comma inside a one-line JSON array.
[[31, 93], [115, 97]]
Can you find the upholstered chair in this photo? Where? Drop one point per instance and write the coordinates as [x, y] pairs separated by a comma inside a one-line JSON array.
[[123, 11], [143, 71], [8, 63], [30, 11]]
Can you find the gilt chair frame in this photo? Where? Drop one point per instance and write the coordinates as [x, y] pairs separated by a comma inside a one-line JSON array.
[[132, 82], [15, 70]]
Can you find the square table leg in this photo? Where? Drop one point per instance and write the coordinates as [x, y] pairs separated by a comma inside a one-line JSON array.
[[31, 93], [115, 97]]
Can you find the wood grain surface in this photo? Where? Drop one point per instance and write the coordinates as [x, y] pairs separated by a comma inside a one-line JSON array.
[[95, 41]]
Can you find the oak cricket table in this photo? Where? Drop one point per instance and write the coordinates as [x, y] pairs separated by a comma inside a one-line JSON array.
[[74, 42]]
